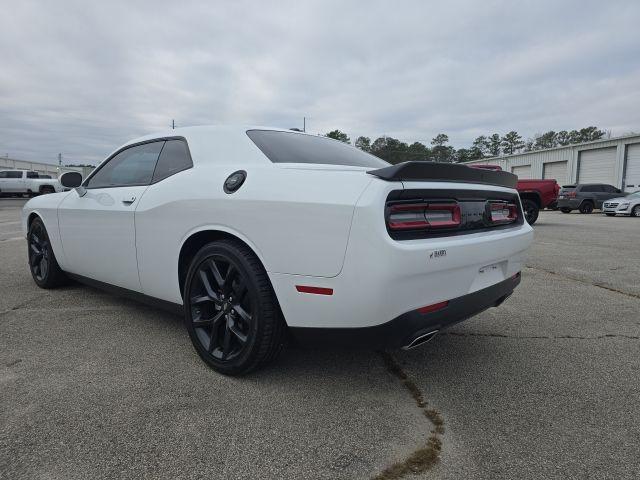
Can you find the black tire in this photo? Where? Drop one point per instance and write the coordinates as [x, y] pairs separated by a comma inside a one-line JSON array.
[[635, 212], [47, 189], [586, 207], [565, 210], [43, 265], [531, 210], [610, 214], [243, 327]]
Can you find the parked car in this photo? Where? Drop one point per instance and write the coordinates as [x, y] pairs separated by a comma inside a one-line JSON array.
[[586, 197], [535, 194], [25, 182], [628, 205], [253, 231]]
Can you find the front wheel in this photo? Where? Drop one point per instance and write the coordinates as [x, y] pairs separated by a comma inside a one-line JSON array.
[[531, 211], [231, 311], [636, 211], [42, 261], [565, 210]]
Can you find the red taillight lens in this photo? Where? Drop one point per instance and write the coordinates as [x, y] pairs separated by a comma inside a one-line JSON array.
[[571, 194], [503, 213], [423, 216]]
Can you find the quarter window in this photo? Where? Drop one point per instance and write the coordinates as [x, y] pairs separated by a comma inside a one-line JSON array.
[[173, 159], [133, 166], [13, 174]]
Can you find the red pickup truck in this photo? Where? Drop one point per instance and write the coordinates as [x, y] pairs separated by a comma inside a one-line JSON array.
[[535, 194]]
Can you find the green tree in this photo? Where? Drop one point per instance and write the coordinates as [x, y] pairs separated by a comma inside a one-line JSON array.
[[589, 134], [390, 149], [463, 155], [480, 147], [440, 151], [418, 151], [511, 143], [338, 135], [494, 144], [563, 137], [363, 143], [546, 140]]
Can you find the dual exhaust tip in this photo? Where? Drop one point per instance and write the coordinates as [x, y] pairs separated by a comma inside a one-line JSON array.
[[420, 340]]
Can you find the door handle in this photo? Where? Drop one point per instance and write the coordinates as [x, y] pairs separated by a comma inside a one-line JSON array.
[[129, 200]]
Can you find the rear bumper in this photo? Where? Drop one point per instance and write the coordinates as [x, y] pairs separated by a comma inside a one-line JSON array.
[[402, 330]]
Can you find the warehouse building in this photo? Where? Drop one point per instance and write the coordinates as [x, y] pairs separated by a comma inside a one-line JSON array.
[[42, 168], [615, 161]]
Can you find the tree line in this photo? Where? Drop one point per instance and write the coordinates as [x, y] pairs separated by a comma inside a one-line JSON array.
[[395, 151]]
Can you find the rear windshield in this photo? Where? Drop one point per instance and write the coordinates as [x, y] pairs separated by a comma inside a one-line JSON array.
[[289, 147], [569, 187]]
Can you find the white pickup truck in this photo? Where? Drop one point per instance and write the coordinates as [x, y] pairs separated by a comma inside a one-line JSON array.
[[25, 182]]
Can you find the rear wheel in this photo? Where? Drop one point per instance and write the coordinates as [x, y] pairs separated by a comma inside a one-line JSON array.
[[231, 311], [565, 210], [531, 211], [47, 189], [586, 207], [42, 261]]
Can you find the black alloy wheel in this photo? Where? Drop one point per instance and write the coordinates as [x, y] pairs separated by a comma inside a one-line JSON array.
[[636, 211], [42, 261], [531, 211], [231, 312], [586, 207]]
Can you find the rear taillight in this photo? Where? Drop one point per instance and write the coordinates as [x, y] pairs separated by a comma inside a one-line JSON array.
[[502, 212], [411, 216], [571, 194]]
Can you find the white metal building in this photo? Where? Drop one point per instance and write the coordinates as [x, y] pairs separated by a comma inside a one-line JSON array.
[[615, 161], [43, 168]]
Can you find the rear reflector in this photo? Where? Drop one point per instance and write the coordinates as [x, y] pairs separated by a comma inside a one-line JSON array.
[[433, 308], [314, 290]]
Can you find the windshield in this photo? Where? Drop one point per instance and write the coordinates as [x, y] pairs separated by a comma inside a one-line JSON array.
[[290, 147], [634, 194]]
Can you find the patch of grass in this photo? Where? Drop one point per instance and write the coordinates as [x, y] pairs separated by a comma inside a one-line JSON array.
[[428, 455]]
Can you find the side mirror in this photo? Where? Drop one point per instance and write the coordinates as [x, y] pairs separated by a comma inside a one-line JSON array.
[[71, 179]]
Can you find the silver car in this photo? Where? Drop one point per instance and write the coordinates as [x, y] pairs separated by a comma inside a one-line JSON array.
[[629, 205]]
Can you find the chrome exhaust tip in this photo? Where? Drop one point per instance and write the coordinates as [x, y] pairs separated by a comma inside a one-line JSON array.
[[420, 340]]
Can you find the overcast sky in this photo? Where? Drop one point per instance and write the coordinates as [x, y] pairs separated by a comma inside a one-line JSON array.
[[82, 78]]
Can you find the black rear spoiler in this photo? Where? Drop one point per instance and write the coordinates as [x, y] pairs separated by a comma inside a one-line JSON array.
[[445, 172]]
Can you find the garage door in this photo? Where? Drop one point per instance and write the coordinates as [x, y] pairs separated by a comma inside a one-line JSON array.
[[556, 171], [597, 166], [522, 171], [632, 169]]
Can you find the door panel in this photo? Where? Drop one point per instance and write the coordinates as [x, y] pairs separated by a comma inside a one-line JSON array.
[[98, 234]]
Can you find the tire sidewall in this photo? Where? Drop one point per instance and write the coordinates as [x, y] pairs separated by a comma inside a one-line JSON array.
[[37, 222], [531, 203], [586, 207], [238, 364]]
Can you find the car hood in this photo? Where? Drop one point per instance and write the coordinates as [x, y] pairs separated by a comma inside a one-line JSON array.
[[617, 199]]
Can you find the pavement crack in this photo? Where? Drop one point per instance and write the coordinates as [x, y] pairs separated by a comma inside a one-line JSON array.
[[584, 282], [544, 337], [426, 456]]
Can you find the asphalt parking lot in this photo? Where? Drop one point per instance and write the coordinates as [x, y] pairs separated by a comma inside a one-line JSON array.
[[545, 386]]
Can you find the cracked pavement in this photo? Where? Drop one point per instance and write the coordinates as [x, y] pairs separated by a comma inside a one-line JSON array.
[[545, 386]]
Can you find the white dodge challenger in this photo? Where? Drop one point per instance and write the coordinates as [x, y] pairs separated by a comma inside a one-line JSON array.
[[257, 233]]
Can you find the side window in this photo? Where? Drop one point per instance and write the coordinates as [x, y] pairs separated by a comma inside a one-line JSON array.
[[133, 166], [3, 174], [174, 158], [32, 174], [14, 174]]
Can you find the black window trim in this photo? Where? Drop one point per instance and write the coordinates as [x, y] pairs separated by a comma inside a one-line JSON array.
[[137, 144]]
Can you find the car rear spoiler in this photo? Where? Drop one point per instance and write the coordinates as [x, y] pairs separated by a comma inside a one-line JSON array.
[[444, 172]]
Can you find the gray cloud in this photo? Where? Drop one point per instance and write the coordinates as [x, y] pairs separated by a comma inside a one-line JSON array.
[[83, 77]]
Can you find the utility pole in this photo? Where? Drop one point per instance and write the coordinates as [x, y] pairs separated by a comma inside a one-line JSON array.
[[304, 124], [59, 159], [173, 124]]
